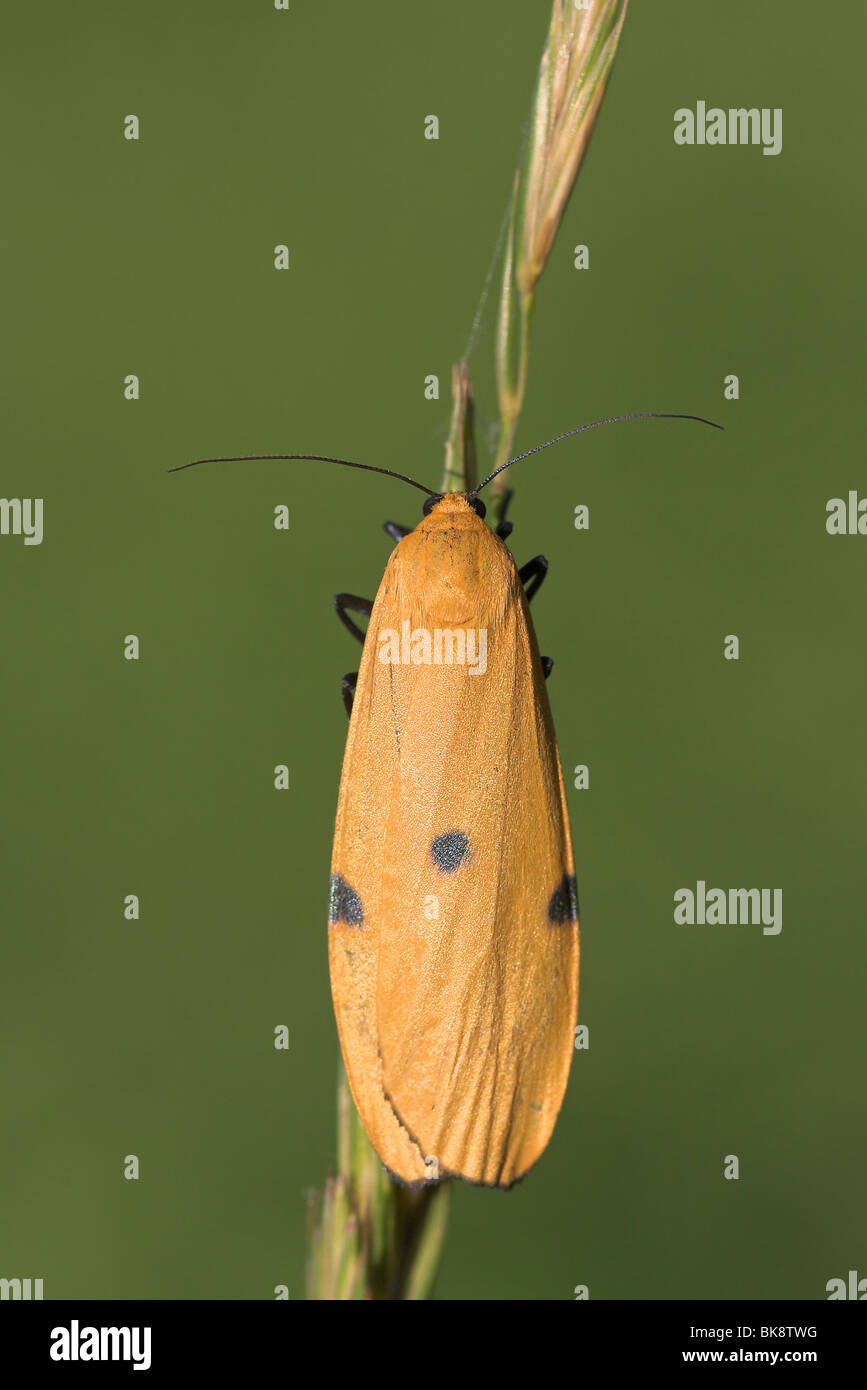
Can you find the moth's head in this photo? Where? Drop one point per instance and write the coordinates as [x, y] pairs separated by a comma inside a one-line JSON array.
[[451, 564], [451, 507]]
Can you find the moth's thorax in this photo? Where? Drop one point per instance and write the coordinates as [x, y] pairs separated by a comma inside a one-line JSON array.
[[452, 567]]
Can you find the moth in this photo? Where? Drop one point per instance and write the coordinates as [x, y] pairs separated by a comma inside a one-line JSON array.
[[453, 915]]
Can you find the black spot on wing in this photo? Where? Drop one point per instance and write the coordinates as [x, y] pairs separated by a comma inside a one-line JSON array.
[[450, 851], [344, 904], [563, 906]]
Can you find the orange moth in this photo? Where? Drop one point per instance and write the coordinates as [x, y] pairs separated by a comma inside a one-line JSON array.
[[453, 936], [453, 909]]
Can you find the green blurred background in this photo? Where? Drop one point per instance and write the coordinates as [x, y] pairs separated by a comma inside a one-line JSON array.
[[155, 777]]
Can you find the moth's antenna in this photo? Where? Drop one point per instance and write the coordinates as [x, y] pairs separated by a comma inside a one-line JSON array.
[[317, 458], [612, 420]]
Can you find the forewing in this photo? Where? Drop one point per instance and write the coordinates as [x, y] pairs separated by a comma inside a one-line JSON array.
[[477, 952], [369, 769]]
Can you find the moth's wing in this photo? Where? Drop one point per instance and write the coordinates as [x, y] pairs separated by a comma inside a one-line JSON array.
[[477, 969], [369, 769]]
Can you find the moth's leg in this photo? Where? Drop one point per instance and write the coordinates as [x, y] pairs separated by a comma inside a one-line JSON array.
[[503, 527], [395, 530], [347, 686], [351, 603], [532, 574]]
